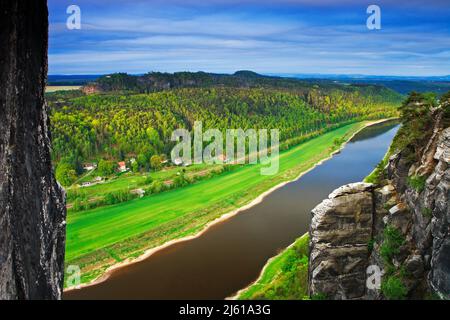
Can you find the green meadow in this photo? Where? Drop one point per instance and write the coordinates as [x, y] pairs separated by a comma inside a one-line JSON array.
[[99, 238], [284, 277]]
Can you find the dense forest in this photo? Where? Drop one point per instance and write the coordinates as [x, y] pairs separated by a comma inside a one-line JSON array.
[[125, 123], [158, 81]]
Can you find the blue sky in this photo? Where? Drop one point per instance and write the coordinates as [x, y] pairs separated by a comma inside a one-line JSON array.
[[278, 37]]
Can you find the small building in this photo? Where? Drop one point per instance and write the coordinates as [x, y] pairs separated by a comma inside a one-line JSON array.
[[177, 162], [122, 166], [86, 184], [139, 192], [98, 179], [89, 166]]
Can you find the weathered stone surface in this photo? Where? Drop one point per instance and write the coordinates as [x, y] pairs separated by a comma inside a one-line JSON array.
[[384, 199], [343, 224], [439, 276], [399, 217], [32, 209], [414, 265], [341, 228]]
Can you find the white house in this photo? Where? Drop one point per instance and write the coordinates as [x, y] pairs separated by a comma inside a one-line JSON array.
[[89, 166], [177, 162], [139, 192]]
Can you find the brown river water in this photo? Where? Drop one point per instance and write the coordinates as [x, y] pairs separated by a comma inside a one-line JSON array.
[[230, 255]]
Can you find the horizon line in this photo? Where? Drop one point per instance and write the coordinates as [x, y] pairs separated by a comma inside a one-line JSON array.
[[263, 74]]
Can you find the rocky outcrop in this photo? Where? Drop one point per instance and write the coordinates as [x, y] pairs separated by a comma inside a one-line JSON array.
[[32, 211], [437, 198], [341, 228], [397, 227]]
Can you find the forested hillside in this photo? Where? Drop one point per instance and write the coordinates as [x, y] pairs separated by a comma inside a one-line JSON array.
[[119, 125], [158, 81]]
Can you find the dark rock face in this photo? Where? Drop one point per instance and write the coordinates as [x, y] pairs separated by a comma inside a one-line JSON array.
[[438, 189], [343, 225], [32, 206]]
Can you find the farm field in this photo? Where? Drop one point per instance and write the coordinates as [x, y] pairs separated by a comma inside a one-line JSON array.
[[129, 181], [61, 88]]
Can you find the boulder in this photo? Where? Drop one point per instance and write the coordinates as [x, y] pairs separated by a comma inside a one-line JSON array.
[[341, 229]]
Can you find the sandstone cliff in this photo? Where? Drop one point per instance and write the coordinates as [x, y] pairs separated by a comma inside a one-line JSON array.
[[397, 228]]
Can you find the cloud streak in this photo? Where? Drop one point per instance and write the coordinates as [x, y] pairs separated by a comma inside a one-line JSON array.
[[292, 37]]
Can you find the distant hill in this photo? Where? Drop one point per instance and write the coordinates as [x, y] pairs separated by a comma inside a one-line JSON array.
[[157, 81], [401, 84]]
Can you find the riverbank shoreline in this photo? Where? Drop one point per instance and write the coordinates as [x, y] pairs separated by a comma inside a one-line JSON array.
[[236, 295], [148, 253]]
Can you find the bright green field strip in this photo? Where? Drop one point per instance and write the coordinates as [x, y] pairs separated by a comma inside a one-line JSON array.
[[91, 230], [273, 268]]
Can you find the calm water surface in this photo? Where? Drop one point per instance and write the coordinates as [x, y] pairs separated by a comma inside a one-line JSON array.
[[231, 255]]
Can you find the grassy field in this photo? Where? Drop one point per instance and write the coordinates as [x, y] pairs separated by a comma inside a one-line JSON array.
[[130, 181], [61, 88], [284, 277], [104, 236]]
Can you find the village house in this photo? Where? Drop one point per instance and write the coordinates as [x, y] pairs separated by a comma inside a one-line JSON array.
[[177, 162], [139, 192], [89, 166], [122, 166]]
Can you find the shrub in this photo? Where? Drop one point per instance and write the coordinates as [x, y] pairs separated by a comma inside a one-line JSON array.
[[427, 212], [319, 296], [65, 174], [338, 141], [393, 288], [105, 168], [119, 197], [77, 205], [148, 180], [370, 245], [392, 241], [417, 183], [156, 187]]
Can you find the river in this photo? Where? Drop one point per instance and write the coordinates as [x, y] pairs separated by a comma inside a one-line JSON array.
[[230, 255]]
